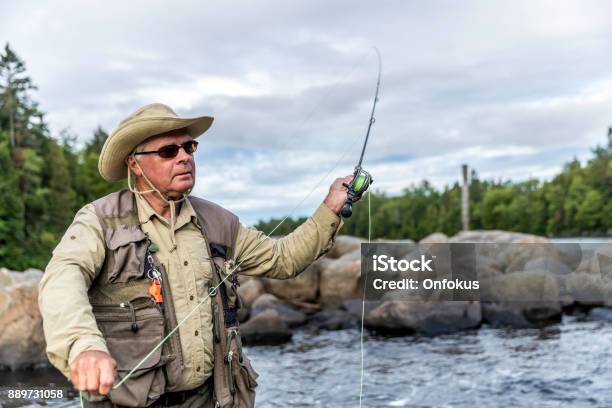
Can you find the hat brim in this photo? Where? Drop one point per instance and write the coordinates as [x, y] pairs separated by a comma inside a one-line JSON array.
[[124, 139]]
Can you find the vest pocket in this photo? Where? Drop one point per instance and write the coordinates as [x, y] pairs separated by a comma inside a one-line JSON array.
[[127, 249], [132, 330], [242, 377]]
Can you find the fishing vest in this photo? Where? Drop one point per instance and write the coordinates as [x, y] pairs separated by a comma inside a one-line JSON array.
[[133, 323]]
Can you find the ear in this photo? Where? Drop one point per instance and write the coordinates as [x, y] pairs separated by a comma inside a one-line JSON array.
[[130, 161]]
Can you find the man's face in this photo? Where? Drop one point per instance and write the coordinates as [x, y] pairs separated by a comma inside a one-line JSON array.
[[173, 176]]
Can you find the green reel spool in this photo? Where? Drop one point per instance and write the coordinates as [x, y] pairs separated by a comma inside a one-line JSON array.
[[361, 181]]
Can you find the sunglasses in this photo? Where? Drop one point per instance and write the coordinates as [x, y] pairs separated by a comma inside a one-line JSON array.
[[170, 151]]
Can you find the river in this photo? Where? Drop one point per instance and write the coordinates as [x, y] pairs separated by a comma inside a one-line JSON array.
[[562, 365]]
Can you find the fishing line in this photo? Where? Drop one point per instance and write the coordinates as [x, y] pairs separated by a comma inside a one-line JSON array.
[[365, 281]]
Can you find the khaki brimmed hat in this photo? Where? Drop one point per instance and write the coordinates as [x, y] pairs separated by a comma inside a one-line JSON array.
[[148, 121]]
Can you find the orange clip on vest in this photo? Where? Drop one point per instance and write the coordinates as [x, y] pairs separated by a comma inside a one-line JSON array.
[[155, 291]]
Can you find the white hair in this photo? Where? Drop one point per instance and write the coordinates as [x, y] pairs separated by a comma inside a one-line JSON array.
[[139, 148]]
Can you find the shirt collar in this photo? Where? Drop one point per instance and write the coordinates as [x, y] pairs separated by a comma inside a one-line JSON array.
[[146, 212]]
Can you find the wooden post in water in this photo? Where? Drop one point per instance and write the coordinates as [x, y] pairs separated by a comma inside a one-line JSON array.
[[465, 200]]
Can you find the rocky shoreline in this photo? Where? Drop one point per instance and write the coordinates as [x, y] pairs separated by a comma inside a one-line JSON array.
[[328, 296]]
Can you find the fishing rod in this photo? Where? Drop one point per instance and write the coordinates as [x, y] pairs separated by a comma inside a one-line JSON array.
[[361, 178]]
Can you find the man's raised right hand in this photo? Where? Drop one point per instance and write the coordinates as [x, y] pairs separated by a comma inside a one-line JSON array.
[[93, 371]]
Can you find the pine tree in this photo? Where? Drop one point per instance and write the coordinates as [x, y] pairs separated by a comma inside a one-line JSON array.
[[18, 113], [11, 210], [61, 196]]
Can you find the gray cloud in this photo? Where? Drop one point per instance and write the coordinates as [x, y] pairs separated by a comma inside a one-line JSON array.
[[513, 88]]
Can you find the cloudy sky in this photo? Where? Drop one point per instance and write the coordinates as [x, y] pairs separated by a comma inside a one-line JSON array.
[[513, 88]]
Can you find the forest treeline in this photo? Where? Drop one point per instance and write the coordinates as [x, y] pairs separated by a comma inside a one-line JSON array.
[[576, 202], [46, 178]]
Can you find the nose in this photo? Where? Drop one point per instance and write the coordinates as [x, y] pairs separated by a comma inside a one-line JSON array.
[[183, 156]]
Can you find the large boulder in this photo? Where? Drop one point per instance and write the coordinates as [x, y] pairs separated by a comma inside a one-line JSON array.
[[332, 319], [248, 291], [427, 317], [357, 307], [497, 245], [557, 269], [515, 256], [288, 314], [522, 298], [487, 267], [589, 289], [601, 262], [435, 238], [548, 264], [303, 288], [22, 342], [265, 328], [340, 279], [343, 244]]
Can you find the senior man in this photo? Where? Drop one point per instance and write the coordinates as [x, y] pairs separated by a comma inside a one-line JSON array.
[[136, 263]]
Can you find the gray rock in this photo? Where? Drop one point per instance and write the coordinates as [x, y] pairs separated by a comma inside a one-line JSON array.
[[487, 270], [431, 318], [514, 257], [571, 254], [303, 288], [520, 299], [265, 328], [344, 244], [22, 342], [332, 319], [248, 291], [435, 238], [340, 280], [589, 289], [288, 314], [521, 286], [548, 264], [356, 306]]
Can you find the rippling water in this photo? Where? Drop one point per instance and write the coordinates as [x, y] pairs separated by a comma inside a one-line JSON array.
[[564, 365]]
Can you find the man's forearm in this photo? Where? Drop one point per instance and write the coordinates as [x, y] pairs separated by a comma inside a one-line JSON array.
[[288, 256], [68, 320], [68, 323]]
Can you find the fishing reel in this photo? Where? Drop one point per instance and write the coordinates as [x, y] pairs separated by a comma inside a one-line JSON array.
[[360, 183]]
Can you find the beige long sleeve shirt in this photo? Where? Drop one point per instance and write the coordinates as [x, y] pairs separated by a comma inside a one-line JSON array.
[[68, 321]]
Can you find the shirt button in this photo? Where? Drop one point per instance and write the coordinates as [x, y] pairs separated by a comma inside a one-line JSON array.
[[198, 368], [72, 237], [190, 297], [196, 333], [185, 263], [333, 224]]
